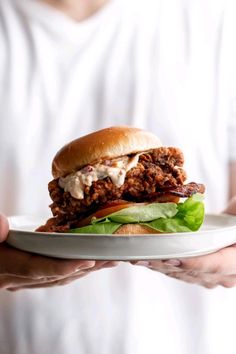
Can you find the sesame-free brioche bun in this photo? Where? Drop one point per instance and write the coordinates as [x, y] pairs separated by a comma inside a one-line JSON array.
[[103, 144], [134, 229]]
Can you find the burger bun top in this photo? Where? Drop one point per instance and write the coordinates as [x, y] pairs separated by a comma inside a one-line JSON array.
[[104, 144]]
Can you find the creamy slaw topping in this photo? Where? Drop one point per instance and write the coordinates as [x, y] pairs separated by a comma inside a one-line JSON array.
[[116, 169]]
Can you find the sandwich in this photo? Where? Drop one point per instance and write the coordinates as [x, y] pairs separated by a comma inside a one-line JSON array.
[[122, 180]]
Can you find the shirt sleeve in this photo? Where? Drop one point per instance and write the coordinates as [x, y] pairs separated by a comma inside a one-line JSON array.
[[231, 65], [232, 129]]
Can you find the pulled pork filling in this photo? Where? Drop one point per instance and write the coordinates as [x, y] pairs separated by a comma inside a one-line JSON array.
[[157, 176]]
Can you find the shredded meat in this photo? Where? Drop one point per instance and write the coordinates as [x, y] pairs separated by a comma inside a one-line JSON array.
[[157, 173]]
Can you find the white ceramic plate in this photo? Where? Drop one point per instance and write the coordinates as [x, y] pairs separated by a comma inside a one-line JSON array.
[[217, 232]]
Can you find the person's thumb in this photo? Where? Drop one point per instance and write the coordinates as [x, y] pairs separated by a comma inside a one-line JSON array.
[[4, 228], [231, 208]]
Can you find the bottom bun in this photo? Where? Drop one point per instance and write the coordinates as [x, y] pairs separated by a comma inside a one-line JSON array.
[[135, 229]]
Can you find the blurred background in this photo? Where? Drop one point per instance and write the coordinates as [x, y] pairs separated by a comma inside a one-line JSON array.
[[69, 67]]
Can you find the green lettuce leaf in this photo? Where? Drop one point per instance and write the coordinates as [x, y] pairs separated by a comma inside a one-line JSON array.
[[169, 225], [190, 217], [142, 213], [163, 217], [101, 228], [192, 211]]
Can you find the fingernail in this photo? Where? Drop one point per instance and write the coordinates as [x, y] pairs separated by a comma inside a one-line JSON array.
[[143, 263], [173, 262]]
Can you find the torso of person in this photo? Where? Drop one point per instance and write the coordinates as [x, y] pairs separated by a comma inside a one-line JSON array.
[[158, 65]]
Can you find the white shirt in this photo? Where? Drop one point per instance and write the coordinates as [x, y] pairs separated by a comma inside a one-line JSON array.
[[164, 65]]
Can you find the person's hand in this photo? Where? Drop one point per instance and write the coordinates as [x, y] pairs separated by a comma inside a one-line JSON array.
[[218, 268], [23, 270]]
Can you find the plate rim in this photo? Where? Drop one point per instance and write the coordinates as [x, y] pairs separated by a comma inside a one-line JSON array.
[[196, 243], [163, 235]]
